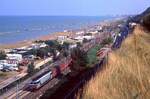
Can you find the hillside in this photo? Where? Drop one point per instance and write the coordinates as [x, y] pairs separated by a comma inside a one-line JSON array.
[[139, 17], [127, 74]]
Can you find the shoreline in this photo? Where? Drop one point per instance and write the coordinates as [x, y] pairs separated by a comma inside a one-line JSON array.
[[51, 36]]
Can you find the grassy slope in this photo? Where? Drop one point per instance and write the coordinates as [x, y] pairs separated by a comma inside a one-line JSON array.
[[127, 75]]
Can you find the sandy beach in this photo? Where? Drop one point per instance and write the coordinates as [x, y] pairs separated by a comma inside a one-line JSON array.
[[52, 36]]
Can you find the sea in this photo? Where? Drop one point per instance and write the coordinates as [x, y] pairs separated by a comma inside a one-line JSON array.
[[20, 28]]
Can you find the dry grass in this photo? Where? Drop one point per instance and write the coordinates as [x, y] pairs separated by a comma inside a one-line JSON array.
[[127, 75]]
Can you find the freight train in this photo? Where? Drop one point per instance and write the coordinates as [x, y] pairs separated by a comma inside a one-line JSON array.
[[48, 75]]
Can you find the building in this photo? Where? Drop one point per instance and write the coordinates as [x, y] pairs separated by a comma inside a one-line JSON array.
[[17, 57], [81, 38], [9, 65], [61, 38], [72, 46]]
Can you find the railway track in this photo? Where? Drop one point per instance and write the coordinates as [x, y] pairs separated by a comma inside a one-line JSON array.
[[22, 94], [73, 91], [71, 87], [32, 95]]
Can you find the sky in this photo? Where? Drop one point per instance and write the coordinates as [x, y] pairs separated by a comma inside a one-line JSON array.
[[72, 7]]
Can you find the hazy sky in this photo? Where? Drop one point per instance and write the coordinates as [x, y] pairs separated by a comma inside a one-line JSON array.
[[72, 7]]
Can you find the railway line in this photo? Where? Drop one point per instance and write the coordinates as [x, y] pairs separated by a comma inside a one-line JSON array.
[[74, 88], [27, 94], [23, 94], [12, 92], [73, 91]]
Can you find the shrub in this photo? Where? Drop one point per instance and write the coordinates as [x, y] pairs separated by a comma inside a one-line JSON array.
[[146, 22], [31, 69], [85, 40], [79, 59], [108, 40]]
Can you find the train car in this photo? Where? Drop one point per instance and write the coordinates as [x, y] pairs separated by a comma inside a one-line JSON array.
[[57, 70], [40, 80]]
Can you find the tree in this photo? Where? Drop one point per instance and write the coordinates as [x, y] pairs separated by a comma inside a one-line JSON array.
[[65, 53], [66, 45], [33, 52], [85, 40], [108, 40], [79, 44], [53, 51], [88, 34], [79, 59], [42, 52], [30, 69], [2, 55]]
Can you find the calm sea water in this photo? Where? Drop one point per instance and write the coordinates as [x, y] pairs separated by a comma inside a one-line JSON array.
[[19, 28]]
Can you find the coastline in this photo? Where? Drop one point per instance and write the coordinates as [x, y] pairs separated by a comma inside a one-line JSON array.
[[51, 36]]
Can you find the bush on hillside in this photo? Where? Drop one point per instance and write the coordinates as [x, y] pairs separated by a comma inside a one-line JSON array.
[[79, 59], [108, 40], [146, 22], [31, 69]]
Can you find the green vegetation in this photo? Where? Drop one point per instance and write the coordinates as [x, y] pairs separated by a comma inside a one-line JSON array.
[[79, 44], [79, 59], [91, 55], [53, 45], [88, 34], [108, 40], [85, 40], [42, 52], [146, 21], [31, 69], [65, 46], [127, 75], [2, 55]]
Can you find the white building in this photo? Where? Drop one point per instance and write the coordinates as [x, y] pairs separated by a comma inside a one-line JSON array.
[[43, 45], [17, 57], [37, 46], [73, 46], [80, 32], [61, 38], [81, 38], [8, 64]]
